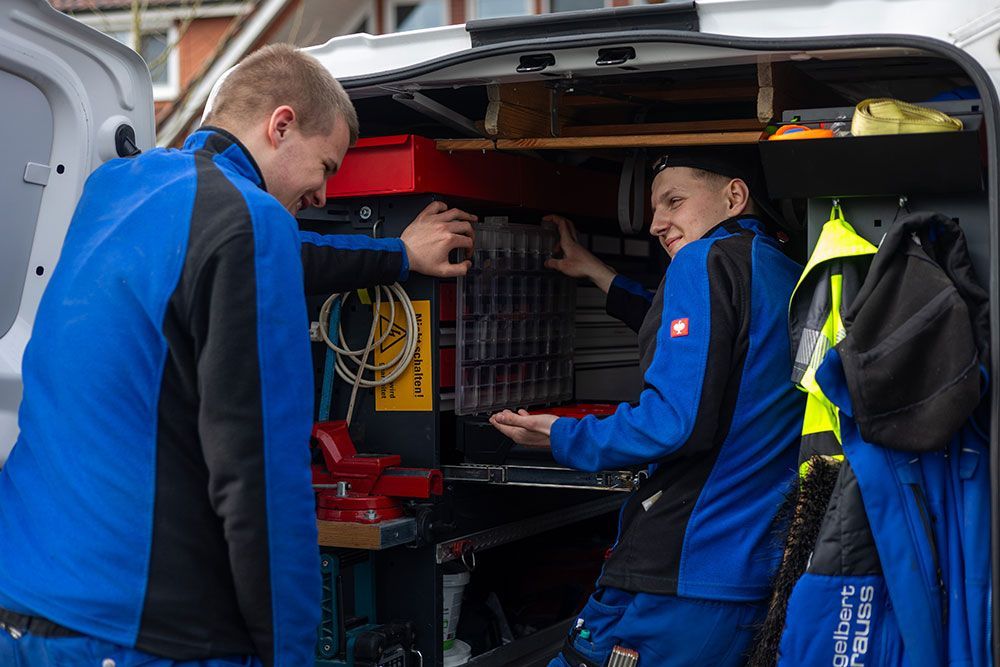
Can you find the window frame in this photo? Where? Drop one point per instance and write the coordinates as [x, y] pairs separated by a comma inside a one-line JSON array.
[[157, 20], [389, 14], [172, 88], [547, 6], [471, 9], [162, 92]]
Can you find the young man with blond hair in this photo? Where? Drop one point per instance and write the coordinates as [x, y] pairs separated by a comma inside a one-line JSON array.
[[157, 506], [716, 423]]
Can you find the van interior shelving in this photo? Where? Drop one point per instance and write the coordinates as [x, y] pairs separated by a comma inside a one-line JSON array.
[[532, 571]]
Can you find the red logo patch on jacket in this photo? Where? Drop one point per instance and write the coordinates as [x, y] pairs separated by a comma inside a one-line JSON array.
[[679, 328]]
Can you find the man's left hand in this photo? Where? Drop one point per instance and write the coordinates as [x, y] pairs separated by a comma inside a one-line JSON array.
[[525, 428]]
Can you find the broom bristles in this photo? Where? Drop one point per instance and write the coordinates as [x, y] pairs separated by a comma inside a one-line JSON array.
[[798, 523]]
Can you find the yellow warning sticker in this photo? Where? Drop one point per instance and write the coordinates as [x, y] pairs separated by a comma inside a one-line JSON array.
[[411, 391]]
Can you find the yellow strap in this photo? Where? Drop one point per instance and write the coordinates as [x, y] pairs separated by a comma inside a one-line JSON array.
[[364, 297], [836, 212], [888, 116], [834, 329]]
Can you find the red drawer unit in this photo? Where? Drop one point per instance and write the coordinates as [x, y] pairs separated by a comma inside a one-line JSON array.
[[446, 301], [446, 360], [408, 164]]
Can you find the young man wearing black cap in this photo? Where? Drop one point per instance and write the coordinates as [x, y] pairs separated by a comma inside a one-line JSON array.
[[717, 422]]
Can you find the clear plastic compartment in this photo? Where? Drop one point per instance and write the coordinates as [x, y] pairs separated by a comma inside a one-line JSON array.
[[515, 324]]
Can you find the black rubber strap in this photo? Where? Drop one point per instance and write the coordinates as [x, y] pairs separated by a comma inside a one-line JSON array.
[[632, 193], [34, 625], [632, 187]]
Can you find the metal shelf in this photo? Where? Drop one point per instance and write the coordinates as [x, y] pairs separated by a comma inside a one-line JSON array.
[[532, 651], [542, 476], [459, 547]]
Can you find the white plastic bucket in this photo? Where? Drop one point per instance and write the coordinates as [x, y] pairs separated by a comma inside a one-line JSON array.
[[459, 654], [453, 585]]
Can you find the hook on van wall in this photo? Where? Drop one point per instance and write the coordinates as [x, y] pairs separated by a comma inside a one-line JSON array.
[[904, 205], [836, 213]]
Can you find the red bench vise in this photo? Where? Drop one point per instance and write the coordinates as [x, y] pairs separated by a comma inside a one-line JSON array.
[[363, 488]]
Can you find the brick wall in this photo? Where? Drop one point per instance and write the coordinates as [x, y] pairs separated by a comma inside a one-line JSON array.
[[198, 43]]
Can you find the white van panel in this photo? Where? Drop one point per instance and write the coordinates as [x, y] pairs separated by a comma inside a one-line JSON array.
[[66, 89]]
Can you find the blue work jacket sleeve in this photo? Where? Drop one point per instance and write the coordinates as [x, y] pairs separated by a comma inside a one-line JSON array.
[[345, 262], [628, 301], [686, 379]]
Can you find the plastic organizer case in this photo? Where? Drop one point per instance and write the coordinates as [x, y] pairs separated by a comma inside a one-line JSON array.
[[514, 323]]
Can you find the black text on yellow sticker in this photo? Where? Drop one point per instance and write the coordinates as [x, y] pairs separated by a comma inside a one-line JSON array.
[[413, 390]]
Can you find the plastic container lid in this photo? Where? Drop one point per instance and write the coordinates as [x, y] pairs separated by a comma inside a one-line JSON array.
[[459, 654]]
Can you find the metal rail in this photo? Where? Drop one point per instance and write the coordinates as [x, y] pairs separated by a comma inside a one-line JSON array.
[[460, 547]]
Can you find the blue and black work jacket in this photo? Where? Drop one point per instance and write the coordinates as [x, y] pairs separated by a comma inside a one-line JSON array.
[[900, 575], [159, 492], [900, 572], [717, 420]]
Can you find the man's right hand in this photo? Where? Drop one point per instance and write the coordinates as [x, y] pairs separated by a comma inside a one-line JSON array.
[[433, 235], [577, 261]]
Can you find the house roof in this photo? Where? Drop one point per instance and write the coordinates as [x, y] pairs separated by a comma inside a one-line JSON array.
[[111, 5]]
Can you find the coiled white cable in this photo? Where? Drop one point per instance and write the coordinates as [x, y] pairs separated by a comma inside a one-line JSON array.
[[351, 365]]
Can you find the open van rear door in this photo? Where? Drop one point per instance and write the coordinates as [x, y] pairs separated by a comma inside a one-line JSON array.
[[72, 98]]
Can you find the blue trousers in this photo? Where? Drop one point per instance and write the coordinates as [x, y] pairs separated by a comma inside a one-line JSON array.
[[666, 630], [31, 651]]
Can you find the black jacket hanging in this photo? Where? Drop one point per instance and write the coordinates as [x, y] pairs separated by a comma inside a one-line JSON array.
[[917, 336]]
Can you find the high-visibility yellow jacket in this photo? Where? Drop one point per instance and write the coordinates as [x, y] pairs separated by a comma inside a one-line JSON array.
[[822, 296]]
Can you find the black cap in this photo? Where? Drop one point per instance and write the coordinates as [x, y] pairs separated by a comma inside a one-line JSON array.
[[742, 162]]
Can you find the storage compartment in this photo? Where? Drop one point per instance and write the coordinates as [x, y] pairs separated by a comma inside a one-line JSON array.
[[503, 608], [939, 163], [529, 575], [513, 335]]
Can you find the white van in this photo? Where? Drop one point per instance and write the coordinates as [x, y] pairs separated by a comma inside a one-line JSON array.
[[600, 90]]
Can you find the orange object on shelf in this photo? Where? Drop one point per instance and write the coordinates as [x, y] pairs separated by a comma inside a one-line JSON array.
[[790, 132]]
